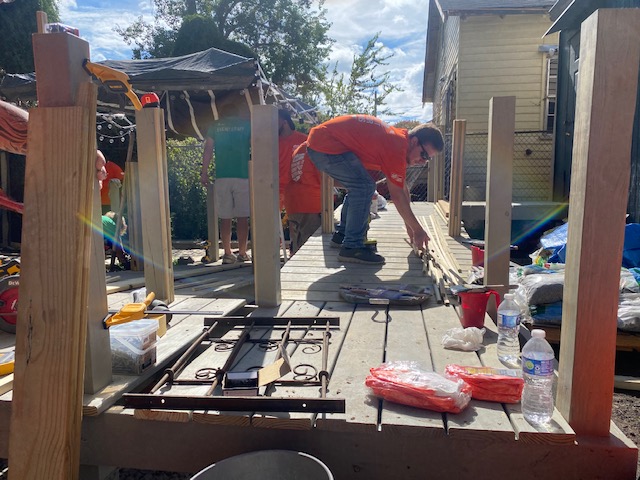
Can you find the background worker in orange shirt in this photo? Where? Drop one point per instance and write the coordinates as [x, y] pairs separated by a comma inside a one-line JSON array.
[[289, 139], [302, 198], [114, 173]]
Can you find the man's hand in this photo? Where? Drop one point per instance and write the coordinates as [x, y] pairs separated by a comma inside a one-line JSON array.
[[420, 239]]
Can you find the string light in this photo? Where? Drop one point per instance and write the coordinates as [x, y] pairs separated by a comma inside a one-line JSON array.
[[113, 124]]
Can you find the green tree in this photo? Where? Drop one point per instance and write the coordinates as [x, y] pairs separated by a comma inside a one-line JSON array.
[[364, 89], [187, 197], [199, 33], [17, 23], [288, 36]]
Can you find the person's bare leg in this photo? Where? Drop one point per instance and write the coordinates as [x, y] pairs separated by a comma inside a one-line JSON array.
[[225, 235], [243, 235]]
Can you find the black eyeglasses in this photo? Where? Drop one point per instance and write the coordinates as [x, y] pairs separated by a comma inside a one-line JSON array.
[[424, 155]]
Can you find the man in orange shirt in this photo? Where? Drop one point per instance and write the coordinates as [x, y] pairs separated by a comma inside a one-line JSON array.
[[114, 173], [345, 148], [299, 183]]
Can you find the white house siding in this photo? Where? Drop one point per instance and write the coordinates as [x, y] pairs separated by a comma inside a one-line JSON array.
[[499, 56], [446, 65]]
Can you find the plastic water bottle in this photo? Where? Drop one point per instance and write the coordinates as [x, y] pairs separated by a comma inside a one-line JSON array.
[[508, 330], [537, 369]]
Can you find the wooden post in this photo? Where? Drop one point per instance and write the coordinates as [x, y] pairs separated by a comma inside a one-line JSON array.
[[54, 288], [114, 196], [265, 215], [456, 177], [212, 224], [605, 106], [497, 231], [327, 203], [154, 203], [134, 218]]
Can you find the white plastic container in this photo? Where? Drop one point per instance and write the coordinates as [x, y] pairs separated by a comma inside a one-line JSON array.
[[133, 346], [537, 370], [508, 330]]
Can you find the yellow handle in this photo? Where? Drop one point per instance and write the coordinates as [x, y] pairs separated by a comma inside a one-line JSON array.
[[107, 74]]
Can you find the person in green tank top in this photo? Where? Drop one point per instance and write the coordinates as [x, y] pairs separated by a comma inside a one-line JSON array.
[[230, 138]]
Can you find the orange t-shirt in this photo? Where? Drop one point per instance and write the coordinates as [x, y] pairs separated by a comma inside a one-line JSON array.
[[376, 144], [113, 171], [286, 147], [302, 184]]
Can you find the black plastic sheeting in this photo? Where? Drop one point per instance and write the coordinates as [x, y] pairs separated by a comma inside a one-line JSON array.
[[187, 86]]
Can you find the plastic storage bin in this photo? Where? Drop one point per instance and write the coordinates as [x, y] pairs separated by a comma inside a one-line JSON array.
[[133, 346]]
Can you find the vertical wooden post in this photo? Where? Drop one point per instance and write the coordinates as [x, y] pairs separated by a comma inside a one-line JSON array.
[[154, 203], [54, 288], [497, 231], [134, 218], [456, 177], [4, 179], [114, 197], [605, 105], [327, 203], [212, 224], [265, 216]]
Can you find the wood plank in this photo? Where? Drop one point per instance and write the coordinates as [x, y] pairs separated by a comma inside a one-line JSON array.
[[154, 192], [610, 51], [363, 348], [265, 227], [52, 317], [456, 178], [212, 223], [407, 341], [134, 218], [499, 191], [481, 421], [558, 432]]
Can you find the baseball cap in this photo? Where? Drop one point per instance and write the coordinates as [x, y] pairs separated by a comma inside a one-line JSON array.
[[284, 114]]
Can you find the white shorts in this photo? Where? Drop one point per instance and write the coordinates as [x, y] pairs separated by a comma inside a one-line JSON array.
[[232, 197]]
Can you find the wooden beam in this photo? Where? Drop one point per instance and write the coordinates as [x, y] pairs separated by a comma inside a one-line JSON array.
[[54, 292], [41, 20], [605, 108], [154, 203], [456, 177], [265, 216], [114, 196], [497, 232], [134, 218], [52, 319], [212, 224], [327, 204]]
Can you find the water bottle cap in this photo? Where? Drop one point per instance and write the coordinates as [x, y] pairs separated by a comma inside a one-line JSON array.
[[508, 296], [537, 333]]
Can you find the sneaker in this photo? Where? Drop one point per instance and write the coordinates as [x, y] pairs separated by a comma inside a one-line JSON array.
[[229, 258], [336, 240], [360, 255], [243, 258]]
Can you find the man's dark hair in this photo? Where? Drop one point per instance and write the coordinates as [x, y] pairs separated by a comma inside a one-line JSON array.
[[285, 115], [428, 133]]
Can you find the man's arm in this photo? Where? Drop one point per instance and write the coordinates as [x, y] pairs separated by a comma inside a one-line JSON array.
[[206, 161], [400, 197]]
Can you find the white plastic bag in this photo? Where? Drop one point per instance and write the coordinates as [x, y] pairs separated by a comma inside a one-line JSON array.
[[466, 339]]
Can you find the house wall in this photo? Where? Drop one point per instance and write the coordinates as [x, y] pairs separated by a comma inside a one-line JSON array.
[[498, 56], [447, 65]]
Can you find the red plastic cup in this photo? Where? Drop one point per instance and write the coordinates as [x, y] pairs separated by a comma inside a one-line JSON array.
[[474, 307]]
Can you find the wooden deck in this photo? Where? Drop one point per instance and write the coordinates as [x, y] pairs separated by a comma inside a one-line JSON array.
[[373, 439]]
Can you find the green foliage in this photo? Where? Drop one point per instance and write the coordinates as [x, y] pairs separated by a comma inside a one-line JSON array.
[[199, 33], [187, 196], [17, 23], [364, 90], [288, 36]]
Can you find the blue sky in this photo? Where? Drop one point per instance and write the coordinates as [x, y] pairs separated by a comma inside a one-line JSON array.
[[402, 24]]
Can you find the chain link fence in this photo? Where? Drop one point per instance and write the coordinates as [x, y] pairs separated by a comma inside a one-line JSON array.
[[532, 166]]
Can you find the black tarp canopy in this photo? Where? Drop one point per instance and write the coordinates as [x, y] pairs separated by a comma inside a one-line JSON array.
[[192, 88]]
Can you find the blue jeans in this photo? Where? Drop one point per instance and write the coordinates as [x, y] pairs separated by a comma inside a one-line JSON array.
[[348, 170]]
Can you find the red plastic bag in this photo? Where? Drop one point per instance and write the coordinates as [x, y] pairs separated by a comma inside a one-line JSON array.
[[490, 384], [405, 383]]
